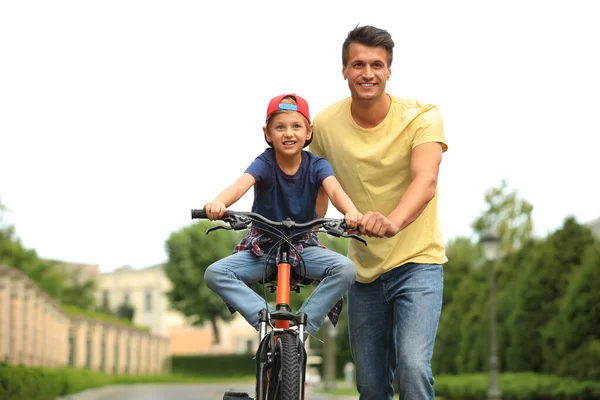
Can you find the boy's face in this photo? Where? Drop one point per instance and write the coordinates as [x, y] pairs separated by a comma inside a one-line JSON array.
[[287, 131], [367, 71]]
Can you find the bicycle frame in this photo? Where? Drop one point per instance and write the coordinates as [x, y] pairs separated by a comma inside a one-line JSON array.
[[281, 355]]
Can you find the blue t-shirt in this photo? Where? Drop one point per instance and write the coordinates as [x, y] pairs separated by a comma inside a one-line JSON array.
[[278, 196]]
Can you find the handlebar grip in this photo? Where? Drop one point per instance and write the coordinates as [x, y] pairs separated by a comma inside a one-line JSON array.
[[199, 214]]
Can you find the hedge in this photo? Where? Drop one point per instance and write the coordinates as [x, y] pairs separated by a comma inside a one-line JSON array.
[[214, 365], [32, 383]]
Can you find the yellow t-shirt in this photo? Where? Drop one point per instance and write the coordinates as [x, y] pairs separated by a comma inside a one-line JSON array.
[[373, 167]]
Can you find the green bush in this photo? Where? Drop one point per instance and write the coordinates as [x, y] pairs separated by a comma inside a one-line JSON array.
[[517, 386], [19, 382], [214, 365]]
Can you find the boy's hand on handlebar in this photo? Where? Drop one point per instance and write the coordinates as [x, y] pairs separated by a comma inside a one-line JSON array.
[[352, 219], [375, 224], [215, 210]]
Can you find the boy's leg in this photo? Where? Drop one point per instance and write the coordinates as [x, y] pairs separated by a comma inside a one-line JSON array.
[[370, 326], [417, 291], [336, 273], [228, 277]]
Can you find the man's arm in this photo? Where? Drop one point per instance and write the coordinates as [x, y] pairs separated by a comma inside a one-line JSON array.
[[424, 167]]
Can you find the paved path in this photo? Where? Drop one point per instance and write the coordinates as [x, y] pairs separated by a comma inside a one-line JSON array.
[[177, 392]]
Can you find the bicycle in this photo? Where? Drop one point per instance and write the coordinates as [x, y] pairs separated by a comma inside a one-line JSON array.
[[281, 354]]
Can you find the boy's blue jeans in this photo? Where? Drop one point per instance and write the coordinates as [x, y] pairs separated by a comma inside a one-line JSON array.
[[227, 278], [392, 323]]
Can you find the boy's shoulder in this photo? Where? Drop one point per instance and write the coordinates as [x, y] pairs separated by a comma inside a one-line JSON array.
[[312, 157], [267, 155]]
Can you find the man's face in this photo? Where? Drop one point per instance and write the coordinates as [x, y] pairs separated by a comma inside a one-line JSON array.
[[367, 71]]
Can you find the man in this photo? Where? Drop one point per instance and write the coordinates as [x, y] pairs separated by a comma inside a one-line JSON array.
[[386, 152]]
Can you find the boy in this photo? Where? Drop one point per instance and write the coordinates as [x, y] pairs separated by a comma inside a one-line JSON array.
[[286, 183]]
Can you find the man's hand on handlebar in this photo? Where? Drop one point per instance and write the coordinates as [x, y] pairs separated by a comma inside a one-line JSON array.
[[215, 210], [375, 224]]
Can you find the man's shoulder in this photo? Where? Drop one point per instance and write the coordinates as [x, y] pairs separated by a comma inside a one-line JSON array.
[[412, 104], [415, 110], [332, 110]]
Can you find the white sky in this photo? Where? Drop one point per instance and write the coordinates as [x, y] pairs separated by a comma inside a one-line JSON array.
[[118, 117]]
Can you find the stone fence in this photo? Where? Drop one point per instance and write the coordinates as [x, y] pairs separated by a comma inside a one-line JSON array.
[[35, 331]]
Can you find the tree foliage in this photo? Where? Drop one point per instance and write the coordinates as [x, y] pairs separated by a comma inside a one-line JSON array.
[[55, 281], [546, 297], [508, 214], [190, 252]]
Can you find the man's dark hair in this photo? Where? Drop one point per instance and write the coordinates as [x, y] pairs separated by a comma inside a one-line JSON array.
[[369, 36]]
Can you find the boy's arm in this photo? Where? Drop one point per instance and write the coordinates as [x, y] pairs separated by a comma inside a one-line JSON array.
[[227, 197], [341, 201], [322, 203]]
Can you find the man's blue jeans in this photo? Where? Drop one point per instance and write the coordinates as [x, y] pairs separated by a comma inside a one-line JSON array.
[[392, 324], [227, 278]]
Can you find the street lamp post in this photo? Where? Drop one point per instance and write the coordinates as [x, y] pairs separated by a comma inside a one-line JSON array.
[[490, 244]]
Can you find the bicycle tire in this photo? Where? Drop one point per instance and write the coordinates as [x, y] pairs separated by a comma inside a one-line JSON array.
[[285, 378]]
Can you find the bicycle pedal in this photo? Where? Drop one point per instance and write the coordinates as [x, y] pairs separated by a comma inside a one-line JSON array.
[[236, 396]]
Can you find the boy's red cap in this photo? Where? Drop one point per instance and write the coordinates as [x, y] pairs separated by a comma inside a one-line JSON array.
[[301, 106]]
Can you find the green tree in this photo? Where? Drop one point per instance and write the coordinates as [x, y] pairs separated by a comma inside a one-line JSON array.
[[544, 280], [575, 332], [190, 252], [45, 273], [14, 254], [508, 214], [79, 294], [462, 255], [125, 311]]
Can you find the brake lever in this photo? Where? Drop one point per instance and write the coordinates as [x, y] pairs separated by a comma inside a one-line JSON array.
[[339, 230], [214, 228], [238, 222], [360, 239]]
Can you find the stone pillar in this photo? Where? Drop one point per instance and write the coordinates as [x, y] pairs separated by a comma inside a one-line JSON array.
[[5, 317], [165, 365], [28, 335], [96, 331], [144, 354], [16, 314], [53, 336], [37, 333], [102, 365], [133, 348], [109, 348], [123, 337], [78, 336], [63, 331]]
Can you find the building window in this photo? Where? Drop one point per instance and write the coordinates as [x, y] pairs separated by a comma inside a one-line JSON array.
[[148, 301]]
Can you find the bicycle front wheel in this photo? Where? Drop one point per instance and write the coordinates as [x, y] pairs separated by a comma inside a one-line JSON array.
[[285, 378]]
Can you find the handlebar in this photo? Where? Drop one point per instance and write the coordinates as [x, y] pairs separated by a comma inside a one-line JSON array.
[[241, 219]]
